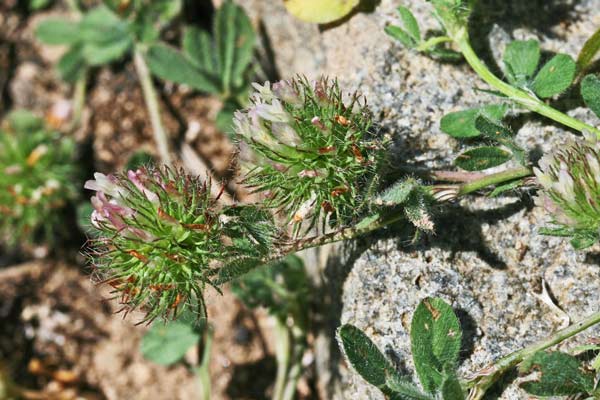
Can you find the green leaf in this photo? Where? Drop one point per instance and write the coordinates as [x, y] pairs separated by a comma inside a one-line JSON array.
[[104, 53], [461, 124], [398, 193], [589, 51], [72, 64], [198, 47], [169, 64], [555, 77], [102, 26], [584, 239], [559, 374], [435, 336], [403, 389], [451, 389], [364, 356], [521, 59], [401, 35], [167, 344], [410, 23], [499, 133], [57, 31], [590, 91], [235, 39], [482, 158]]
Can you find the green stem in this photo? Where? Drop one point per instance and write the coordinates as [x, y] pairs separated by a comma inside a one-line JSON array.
[[79, 94], [298, 340], [434, 41], [151, 99], [494, 179], [527, 100], [203, 371], [482, 383], [282, 354]]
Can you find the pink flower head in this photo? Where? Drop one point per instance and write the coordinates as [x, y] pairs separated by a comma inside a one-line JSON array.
[[105, 183]]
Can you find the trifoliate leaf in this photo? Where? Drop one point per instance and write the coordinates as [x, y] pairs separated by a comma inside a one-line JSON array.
[[589, 51], [521, 59], [57, 31], [435, 337], [102, 26], [559, 374], [167, 344], [590, 91], [364, 356], [555, 76], [401, 35], [482, 158], [461, 124], [104, 53]]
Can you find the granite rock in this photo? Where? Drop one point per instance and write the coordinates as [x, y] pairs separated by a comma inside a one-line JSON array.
[[486, 258]]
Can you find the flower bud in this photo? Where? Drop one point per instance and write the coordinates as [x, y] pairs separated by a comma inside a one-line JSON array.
[[569, 179]]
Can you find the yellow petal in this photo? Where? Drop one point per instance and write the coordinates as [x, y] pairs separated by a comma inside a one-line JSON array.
[[320, 11]]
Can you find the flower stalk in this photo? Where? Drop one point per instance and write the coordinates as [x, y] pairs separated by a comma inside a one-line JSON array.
[[525, 99], [480, 384]]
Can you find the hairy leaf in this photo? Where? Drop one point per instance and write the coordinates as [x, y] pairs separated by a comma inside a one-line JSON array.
[[499, 133], [104, 53], [435, 336], [590, 91], [589, 51], [57, 31], [102, 26], [198, 47], [168, 63], [461, 124], [401, 35], [559, 374], [398, 193], [410, 23], [72, 64], [167, 344], [234, 38], [451, 389], [481, 158], [555, 76], [364, 356], [521, 59], [403, 389]]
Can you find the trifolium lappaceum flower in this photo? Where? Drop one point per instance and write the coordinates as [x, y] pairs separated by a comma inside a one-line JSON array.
[[162, 238], [321, 155]]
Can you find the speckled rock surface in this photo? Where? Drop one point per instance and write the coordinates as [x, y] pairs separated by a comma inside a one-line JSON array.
[[486, 258]]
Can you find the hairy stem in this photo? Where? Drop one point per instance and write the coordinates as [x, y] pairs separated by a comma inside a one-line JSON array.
[[527, 100], [476, 183], [485, 380], [151, 99]]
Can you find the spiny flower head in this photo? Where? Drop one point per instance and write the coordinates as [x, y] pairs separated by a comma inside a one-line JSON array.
[[163, 238], [570, 181], [320, 149], [37, 178]]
